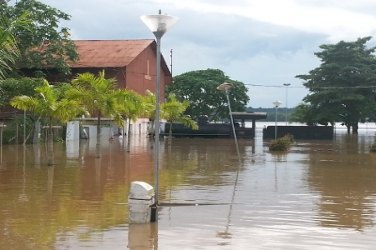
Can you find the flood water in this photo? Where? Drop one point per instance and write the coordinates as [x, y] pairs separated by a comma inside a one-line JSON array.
[[319, 195]]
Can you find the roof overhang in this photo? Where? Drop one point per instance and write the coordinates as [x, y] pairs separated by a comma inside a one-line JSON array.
[[248, 116]]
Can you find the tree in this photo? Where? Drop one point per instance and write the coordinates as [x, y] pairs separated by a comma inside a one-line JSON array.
[[130, 106], [42, 43], [49, 105], [98, 96], [199, 88], [173, 111], [12, 87], [149, 101], [9, 51], [342, 87], [305, 113]]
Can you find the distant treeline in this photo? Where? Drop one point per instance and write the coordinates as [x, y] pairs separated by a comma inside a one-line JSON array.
[[271, 112]]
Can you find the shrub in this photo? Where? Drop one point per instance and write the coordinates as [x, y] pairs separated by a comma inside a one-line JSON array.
[[282, 143]]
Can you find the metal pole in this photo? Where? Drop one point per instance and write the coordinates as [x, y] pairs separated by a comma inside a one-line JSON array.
[[275, 127], [171, 61], [1, 143], [156, 122], [158, 24], [232, 123], [286, 85], [24, 127], [286, 106]]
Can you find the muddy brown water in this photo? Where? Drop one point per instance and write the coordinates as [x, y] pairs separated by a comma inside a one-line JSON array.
[[320, 195]]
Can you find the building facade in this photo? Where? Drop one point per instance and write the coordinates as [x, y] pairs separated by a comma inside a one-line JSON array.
[[131, 62]]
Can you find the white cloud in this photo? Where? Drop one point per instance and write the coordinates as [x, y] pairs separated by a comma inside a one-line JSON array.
[[265, 42], [337, 19]]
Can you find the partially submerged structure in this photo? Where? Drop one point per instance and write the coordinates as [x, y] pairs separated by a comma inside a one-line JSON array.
[[300, 132], [131, 62], [207, 129]]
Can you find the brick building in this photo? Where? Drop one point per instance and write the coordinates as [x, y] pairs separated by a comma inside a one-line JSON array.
[[131, 62]]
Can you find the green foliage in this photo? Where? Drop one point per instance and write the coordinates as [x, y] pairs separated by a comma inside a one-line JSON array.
[[13, 132], [199, 88], [148, 101], [42, 42], [341, 87], [96, 94], [305, 113], [173, 111], [129, 104], [281, 144], [9, 51], [11, 87], [48, 104], [100, 97]]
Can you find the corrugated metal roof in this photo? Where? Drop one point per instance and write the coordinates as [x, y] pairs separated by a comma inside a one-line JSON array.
[[108, 53]]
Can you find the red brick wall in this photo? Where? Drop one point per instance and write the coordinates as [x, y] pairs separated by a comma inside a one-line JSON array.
[[141, 73]]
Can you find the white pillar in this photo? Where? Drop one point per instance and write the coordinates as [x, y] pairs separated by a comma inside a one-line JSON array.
[[73, 131], [140, 201]]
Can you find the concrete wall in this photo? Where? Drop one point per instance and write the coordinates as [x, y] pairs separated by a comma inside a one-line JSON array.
[[300, 132], [76, 131], [138, 127]]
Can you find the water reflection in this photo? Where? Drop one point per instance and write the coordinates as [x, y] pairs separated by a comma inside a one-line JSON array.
[[345, 181], [143, 236]]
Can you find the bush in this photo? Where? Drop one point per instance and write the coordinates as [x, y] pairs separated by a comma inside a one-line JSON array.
[[281, 144], [13, 132]]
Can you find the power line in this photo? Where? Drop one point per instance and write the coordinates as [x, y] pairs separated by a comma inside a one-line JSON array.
[[321, 87], [347, 87], [272, 86]]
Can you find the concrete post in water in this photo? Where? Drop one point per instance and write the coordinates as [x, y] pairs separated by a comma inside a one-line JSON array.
[[73, 131], [141, 200]]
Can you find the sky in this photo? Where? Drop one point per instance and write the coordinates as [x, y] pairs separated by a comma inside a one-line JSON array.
[[262, 43]]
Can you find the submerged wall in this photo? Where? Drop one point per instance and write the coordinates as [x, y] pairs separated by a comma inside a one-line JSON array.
[[300, 132], [208, 130]]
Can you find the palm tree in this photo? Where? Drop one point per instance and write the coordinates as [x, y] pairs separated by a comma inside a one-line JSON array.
[[8, 46], [173, 111], [98, 96], [131, 107], [48, 104], [148, 110]]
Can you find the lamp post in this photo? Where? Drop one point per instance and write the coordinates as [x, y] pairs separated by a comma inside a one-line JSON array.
[[287, 86], [225, 87], [158, 24], [276, 105]]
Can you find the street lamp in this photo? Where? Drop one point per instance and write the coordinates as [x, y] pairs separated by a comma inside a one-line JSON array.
[[276, 105], [159, 25], [225, 87], [287, 86]]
